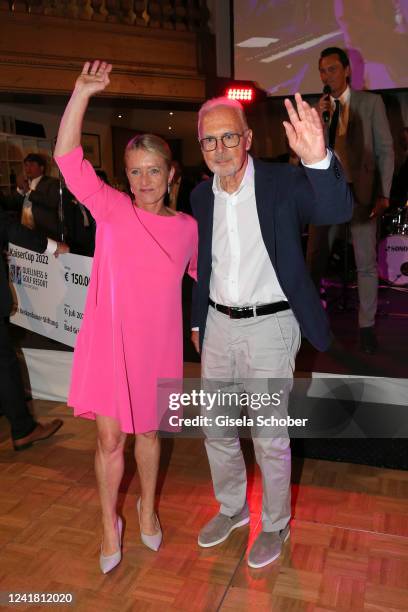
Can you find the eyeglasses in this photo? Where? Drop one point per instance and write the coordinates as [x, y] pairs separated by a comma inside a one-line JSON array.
[[229, 140]]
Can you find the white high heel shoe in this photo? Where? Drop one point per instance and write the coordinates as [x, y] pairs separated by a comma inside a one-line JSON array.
[[151, 541], [108, 562]]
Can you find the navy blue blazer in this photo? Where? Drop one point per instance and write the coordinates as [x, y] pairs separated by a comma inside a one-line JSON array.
[[287, 198]]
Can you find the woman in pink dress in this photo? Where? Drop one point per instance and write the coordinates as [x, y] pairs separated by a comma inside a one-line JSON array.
[[131, 336]]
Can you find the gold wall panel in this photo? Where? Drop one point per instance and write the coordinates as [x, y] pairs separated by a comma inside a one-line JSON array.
[[44, 54]]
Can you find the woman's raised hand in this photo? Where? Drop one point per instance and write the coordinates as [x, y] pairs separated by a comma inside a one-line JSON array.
[[93, 78]]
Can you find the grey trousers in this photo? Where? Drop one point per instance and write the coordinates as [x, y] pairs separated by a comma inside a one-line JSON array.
[[258, 350], [364, 236]]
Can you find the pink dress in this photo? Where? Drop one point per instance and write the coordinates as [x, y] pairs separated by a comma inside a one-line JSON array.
[[131, 335]]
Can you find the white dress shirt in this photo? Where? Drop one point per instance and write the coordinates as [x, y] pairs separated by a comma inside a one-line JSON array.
[[242, 272]]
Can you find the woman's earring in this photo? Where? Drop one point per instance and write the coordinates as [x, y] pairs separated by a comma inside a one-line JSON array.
[[168, 187]]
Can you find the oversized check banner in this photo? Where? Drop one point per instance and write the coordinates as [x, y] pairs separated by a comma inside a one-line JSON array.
[[50, 292]]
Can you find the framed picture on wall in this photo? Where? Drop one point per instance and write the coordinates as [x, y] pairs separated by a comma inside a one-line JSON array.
[[91, 144]]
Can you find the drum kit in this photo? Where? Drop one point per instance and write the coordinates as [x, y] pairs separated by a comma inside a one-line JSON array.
[[393, 248]]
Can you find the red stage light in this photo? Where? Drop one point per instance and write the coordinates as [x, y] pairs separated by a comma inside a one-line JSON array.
[[242, 94]]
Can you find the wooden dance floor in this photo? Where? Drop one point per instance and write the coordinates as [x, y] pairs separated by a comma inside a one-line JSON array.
[[348, 548]]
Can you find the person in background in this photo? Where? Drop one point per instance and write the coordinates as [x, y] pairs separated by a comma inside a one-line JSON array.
[[38, 198], [25, 430], [37, 203], [359, 133]]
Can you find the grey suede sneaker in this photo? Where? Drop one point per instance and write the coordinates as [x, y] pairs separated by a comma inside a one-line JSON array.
[[267, 547], [218, 529]]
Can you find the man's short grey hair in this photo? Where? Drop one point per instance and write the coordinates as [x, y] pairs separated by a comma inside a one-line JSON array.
[[222, 101]]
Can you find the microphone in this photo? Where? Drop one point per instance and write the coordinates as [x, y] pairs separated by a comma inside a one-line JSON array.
[[326, 113]]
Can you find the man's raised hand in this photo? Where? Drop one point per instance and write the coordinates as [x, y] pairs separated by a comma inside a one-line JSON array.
[[304, 131]]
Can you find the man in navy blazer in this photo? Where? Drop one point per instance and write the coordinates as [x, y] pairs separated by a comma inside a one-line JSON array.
[[254, 296]]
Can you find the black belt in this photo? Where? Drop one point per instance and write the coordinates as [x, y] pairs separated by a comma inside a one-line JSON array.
[[234, 312]]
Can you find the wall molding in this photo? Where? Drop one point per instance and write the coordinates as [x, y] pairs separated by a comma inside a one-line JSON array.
[[44, 54]]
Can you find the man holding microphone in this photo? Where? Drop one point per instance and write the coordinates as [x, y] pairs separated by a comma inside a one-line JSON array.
[[358, 131]]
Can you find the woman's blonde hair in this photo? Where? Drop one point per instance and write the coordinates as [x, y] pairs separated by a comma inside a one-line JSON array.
[[152, 144]]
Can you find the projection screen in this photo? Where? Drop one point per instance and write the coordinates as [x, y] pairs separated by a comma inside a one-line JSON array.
[[277, 43]]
